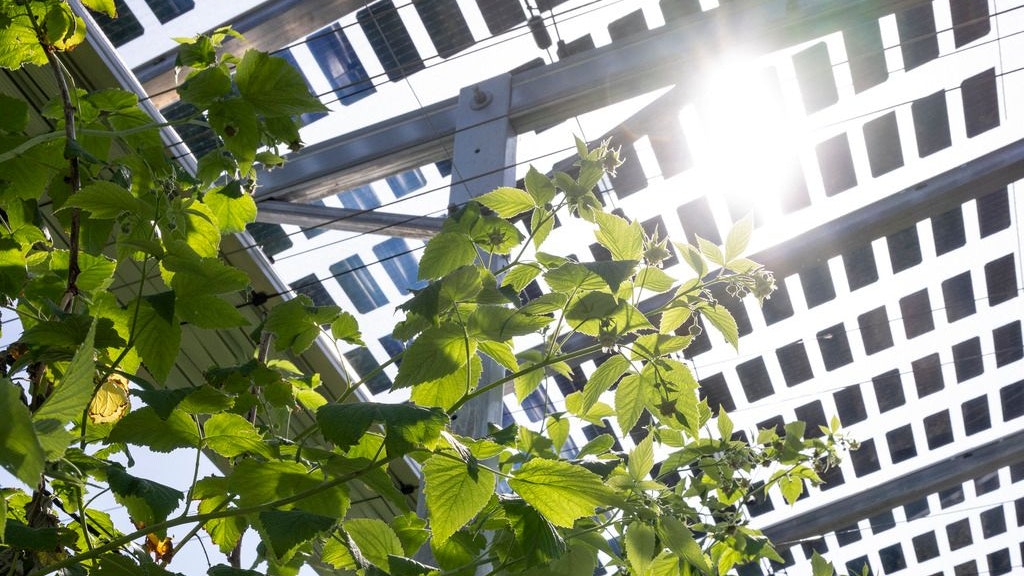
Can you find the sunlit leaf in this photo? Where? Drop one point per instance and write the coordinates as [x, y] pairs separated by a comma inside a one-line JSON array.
[[507, 202], [560, 491], [456, 491]]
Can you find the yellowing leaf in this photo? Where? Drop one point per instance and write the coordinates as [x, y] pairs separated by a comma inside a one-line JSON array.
[[111, 401]]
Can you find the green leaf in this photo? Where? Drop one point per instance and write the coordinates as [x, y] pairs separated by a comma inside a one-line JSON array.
[[225, 570], [438, 352], [456, 491], [273, 87], [535, 537], [204, 87], [230, 435], [629, 401], [157, 333], [197, 275], [500, 352], [606, 375], [820, 566], [652, 346], [678, 538], [21, 46], [95, 272], [542, 223], [147, 502], [232, 207], [411, 531], [654, 279], [500, 324], [445, 391], [445, 253], [625, 240], [738, 238], [723, 321], [601, 444], [258, 483], [336, 554], [641, 459], [724, 424], [562, 492], [693, 257], [72, 394], [375, 540], [20, 452], [143, 427], [673, 318], [287, 529], [15, 116], [212, 493], [459, 550], [639, 545], [507, 202], [711, 251], [105, 200], [539, 187], [105, 6], [602, 276], [544, 304], [296, 323], [346, 328], [209, 311], [234, 120], [520, 275], [405, 425]]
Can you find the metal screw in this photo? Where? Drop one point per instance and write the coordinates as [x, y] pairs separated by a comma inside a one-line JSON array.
[[481, 98]]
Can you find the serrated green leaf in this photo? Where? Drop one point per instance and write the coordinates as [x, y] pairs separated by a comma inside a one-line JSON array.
[[542, 223], [235, 121], [287, 529], [346, 328], [535, 538], [560, 491], [15, 117], [147, 502], [639, 545], [507, 202], [723, 321], [725, 425], [821, 566], [641, 458], [95, 273], [500, 352], [520, 275], [258, 483], [445, 391], [500, 324], [650, 346], [738, 238], [654, 280], [273, 87], [678, 538], [693, 257], [444, 253], [459, 550], [711, 251], [337, 554], [202, 88], [157, 333], [411, 531], [539, 187], [629, 401], [143, 427], [405, 425], [232, 207], [456, 491], [230, 435], [296, 323], [225, 570], [673, 318], [104, 6], [20, 451], [438, 352], [209, 311], [72, 394], [558, 430], [104, 200], [375, 540], [624, 239], [606, 375]]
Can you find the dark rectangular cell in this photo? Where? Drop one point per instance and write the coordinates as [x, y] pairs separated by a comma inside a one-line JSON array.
[[818, 545], [874, 330], [1011, 398], [167, 10], [390, 39], [993, 212], [831, 478], [948, 231], [865, 458], [967, 359], [793, 361], [970, 20], [850, 404], [835, 162], [629, 177], [817, 284], [916, 509], [892, 558], [628, 25], [445, 25], [760, 503], [715, 389], [951, 496], [958, 295], [959, 534], [976, 415], [695, 216], [1001, 280], [882, 140], [670, 148], [999, 562], [569, 385], [866, 54], [271, 238], [700, 344], [931, 123], [966, 569], [860, 267], [848, 535], [774, 423], [581, 44], [927, 375], [120, 30], [501, 15], [676, 9], [364, 364], [600, 253], [904, 249], [901, 443], [815, 77], [981, 102], [926, 546], [938, 429], [859, 566], [754, 379], [986, 483], [545, 5], [916, 310], [888, 390], [778, 307], [918, 40], [312, 287], [812, 414], [835, 347], [655, 227]]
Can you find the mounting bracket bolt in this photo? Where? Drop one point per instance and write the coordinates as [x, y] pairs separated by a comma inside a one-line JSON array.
[[481, 99]]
